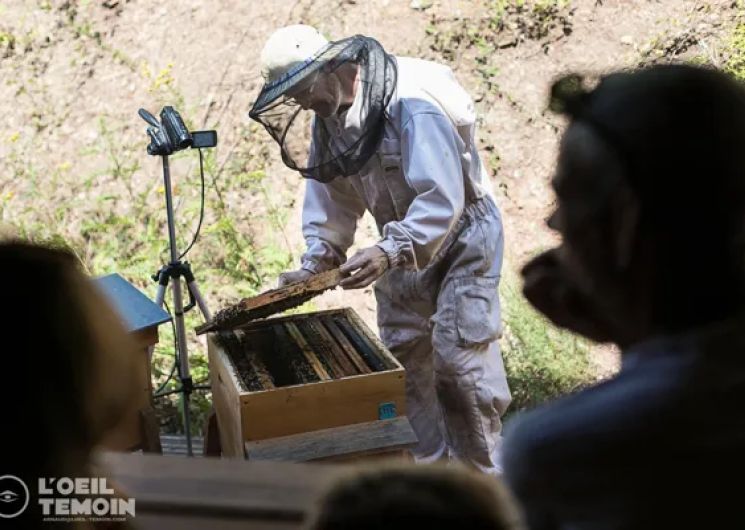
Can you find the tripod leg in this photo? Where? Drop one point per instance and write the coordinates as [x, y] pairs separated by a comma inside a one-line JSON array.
[[161, 294], [183, 357], [159, 300], [194, 289]]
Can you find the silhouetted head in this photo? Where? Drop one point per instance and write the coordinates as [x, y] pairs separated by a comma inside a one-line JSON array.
[[651, 197], [70, 370]]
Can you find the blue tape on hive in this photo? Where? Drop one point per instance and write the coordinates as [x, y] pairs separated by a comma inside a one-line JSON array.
[[137, 310]]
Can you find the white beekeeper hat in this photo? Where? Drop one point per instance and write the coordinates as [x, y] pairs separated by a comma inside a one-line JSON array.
[[289, 47]]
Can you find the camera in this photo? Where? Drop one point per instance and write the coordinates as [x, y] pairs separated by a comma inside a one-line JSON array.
[[171, 135]]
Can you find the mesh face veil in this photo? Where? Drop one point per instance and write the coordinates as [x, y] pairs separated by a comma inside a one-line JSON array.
[[339, 145]]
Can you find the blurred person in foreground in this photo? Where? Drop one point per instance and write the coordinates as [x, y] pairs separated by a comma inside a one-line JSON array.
[[399, 497], [651, 209], [69, 377]]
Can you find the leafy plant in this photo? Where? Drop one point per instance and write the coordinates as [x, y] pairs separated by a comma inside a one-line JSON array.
[[542, 361]]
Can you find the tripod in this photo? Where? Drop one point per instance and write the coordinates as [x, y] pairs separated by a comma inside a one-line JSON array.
[[174, 271], [166, 137]]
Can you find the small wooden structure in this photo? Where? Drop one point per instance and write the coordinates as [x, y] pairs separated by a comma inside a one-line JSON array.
[[141, 318], [383, 439], [314, 386]]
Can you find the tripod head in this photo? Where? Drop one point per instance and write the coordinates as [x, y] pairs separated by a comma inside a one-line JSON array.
[[170, 133]]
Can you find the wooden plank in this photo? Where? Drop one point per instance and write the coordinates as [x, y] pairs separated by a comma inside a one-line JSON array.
[[177, 442], [211, 443], [372, 339], [225, 399], [128, 434], [362, 347], [403, 456], [286, 357], [262, 324], [146, 337], [302, 408], [215, 488], [313, 329], [307, 351], [271, 302], [345, 345], [316, 283], [359, 439], [261, 371], [175, 445], [251, 369], [150, 427], [186, 521], [159, 521]]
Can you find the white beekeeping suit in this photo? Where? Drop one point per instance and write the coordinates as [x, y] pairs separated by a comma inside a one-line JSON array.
[[438, 305], [395, 136]]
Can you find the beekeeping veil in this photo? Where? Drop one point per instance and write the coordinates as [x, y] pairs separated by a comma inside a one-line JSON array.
[[293, 59]]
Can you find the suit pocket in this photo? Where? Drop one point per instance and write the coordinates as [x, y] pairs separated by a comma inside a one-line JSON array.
[[477, 311]]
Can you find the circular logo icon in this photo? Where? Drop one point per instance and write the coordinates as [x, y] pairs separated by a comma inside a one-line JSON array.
[[13, 496]]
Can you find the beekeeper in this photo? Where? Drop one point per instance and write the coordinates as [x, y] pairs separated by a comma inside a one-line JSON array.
[[395, 136]]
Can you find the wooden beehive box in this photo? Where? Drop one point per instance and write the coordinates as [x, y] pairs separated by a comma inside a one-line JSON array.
[[295, 374], [138, 429]]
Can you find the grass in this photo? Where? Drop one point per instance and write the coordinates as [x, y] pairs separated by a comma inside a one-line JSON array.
[[735, 46], [542, 361]]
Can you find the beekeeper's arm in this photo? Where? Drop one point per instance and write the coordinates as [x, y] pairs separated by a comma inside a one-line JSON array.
[[431, 163], [430, 158], [330, 215]]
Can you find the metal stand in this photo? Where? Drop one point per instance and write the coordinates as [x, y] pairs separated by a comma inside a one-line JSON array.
[[174, 271]]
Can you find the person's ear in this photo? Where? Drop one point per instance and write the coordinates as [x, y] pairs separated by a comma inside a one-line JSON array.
[[626, 221]]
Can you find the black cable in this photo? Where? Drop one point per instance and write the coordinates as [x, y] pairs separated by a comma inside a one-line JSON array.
[[179, 390], [163, 394], [159, 393], [201, 208]]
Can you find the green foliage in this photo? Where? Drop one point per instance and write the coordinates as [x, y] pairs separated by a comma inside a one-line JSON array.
[[7, 43], [535, 19], [499, 8], [735, 63], [542, 362], [106, 201]]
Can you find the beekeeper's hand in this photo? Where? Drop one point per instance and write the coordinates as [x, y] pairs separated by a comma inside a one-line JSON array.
[[286, 278], [369, 263]]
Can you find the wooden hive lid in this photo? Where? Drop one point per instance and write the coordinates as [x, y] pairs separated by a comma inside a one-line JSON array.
[[271, 302]]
